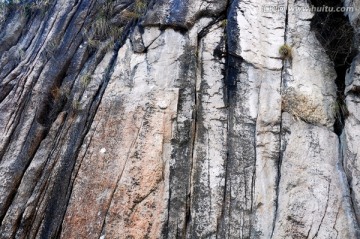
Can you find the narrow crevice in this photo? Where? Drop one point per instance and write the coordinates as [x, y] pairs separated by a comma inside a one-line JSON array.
[[193, 131], [192, 155], [233, 63], [207, 29], [325, 210], [347, 179], [335, 33], [220, 222], [279, 163], [223, 53]]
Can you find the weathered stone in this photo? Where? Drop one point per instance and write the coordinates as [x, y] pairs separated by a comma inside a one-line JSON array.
[[192, 125], [316, 202]]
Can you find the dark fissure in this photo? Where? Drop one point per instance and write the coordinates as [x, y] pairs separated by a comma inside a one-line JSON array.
[[337, 36]]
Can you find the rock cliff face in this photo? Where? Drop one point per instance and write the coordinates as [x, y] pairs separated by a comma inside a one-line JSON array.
[[179, 119]]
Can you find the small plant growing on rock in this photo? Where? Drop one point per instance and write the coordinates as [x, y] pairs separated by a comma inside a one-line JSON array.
[[19, 55], [3, 12], [55, 92], [129, 15], [101, 27], [140, 6], [59, 94], [76, 105], [340, 110], [105, 30], [85, 80], [30, 8], [51, 47], [223, 23], [285, 52], [137, 11]]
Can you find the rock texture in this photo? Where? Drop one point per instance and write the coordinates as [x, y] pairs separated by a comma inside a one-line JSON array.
[[176, 119]]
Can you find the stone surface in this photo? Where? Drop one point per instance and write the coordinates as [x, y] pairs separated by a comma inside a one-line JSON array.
[[315, 203], [190, 125]]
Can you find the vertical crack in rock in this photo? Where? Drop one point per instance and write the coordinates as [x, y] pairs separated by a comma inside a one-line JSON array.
[[337, 36], [183, 143], [226, 146], [193, 131], [325, 211], [221, 220], [286, 63], [232, 72], [210, 136]]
